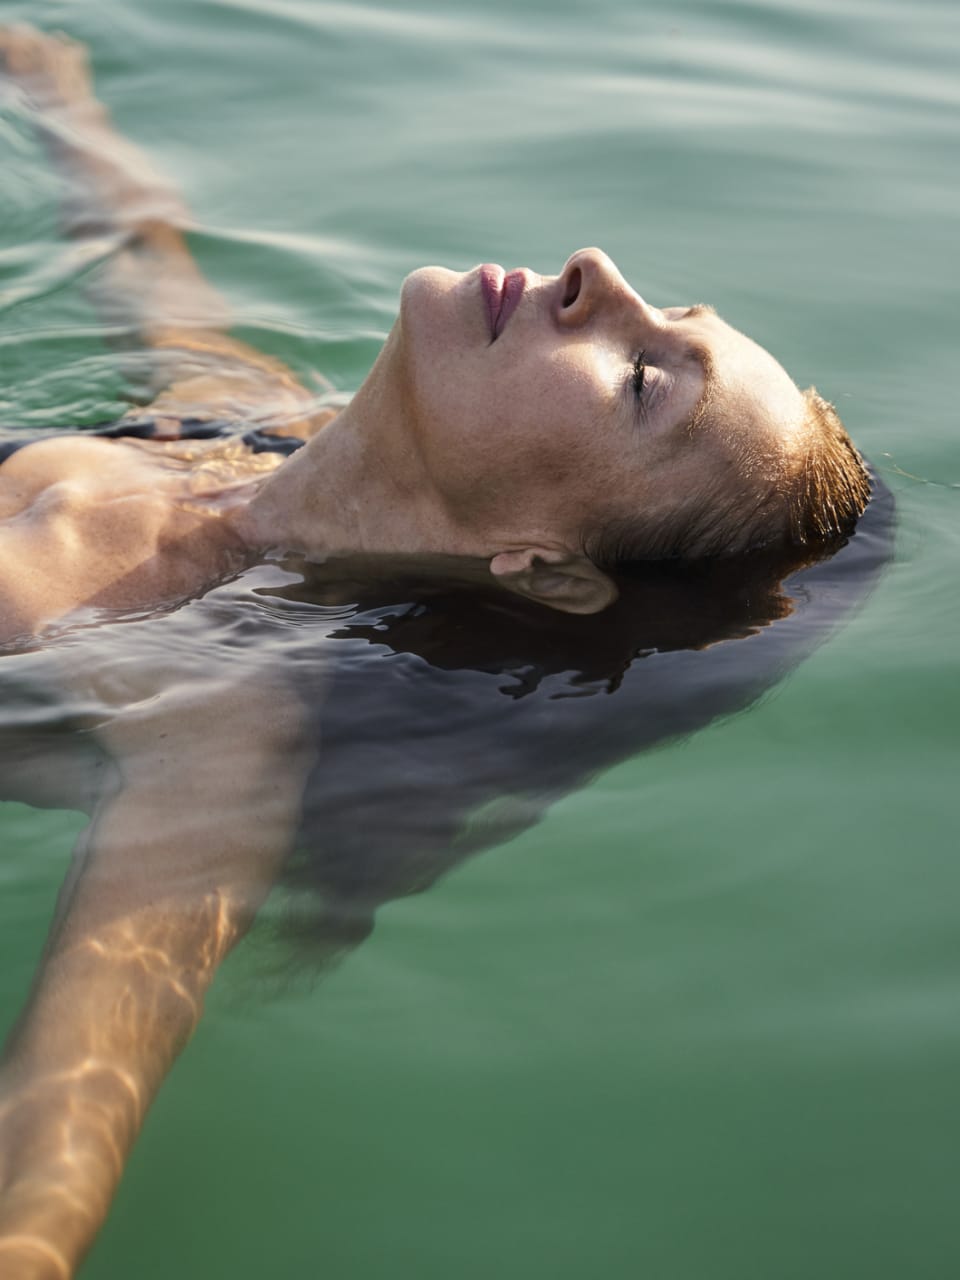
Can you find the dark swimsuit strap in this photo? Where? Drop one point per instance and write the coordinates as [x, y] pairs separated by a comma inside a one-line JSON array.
[[257, 440], [10, 446]]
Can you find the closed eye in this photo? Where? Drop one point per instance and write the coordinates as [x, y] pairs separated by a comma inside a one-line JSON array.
[[639, 374]]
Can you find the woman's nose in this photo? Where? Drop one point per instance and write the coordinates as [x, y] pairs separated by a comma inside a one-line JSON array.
[[588, 282]]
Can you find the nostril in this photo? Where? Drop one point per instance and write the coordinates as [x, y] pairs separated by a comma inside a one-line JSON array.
[[572, 291]]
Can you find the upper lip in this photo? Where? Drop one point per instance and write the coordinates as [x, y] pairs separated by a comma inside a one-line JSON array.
[[502, 294]]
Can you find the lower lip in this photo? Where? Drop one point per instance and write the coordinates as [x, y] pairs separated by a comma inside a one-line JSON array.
[[502, 294]]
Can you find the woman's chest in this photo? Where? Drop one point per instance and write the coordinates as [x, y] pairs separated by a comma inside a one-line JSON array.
[[84, 523]]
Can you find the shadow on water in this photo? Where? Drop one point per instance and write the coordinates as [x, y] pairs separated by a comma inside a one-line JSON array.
[[453, 719], [446, 719]]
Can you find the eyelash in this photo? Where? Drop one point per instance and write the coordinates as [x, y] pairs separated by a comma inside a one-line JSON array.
[[639, 370]]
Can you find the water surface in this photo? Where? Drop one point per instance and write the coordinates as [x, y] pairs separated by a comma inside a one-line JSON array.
[[702, 1019]]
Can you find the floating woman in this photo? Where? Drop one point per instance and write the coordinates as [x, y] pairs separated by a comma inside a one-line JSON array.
[[532, 443]]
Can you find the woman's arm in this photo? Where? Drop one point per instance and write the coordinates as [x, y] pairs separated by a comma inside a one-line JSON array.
[[148, 287], [168, 877]]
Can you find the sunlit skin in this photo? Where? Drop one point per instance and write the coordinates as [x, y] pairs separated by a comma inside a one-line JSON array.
[[543, 428], [505, 449], [494, 450], [493, 446]]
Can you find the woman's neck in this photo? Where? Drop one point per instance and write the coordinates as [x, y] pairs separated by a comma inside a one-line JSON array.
[[358, 486]]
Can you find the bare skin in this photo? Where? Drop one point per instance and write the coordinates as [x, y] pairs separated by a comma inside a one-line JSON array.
[[462, 441], [497, 447], [159, 894], [118, 522]]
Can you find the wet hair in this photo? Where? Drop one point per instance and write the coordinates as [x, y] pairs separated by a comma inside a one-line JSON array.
[[452, 716], [830, 491], [807, 508]]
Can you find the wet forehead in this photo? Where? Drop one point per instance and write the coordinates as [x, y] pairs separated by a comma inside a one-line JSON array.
[[743, 381]]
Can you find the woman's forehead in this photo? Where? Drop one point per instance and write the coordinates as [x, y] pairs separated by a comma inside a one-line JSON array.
[[745, 358], [747, 385]]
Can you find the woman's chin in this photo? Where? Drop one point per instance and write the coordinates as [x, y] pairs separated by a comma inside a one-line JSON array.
[[433, 314], [428, 284]]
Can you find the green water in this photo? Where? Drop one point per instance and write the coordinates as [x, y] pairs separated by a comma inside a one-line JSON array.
[[703, 1020]]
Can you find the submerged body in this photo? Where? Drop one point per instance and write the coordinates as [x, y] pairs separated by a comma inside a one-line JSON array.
[[506, 420]]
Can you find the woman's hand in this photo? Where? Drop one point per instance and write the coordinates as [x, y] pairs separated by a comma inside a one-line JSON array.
[[147, 286], [52, 70], [113, 186]]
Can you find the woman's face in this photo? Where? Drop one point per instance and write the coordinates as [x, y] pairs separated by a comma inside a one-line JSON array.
[[542, 404]]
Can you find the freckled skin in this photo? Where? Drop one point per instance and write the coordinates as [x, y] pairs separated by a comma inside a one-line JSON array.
[[552, 396]]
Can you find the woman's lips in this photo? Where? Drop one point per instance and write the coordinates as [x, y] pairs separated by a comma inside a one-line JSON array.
[[502, 294]]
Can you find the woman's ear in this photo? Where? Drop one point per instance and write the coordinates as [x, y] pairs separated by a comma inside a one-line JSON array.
[[571, 583]]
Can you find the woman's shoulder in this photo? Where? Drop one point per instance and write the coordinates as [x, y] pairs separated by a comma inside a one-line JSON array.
[[88, 521]]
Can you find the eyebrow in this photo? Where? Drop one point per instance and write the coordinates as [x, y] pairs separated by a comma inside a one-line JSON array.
[[698, 309], [704, 357]]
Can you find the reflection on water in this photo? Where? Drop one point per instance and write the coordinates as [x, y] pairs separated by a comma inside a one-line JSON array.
[[450, 721], [443, 719]]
